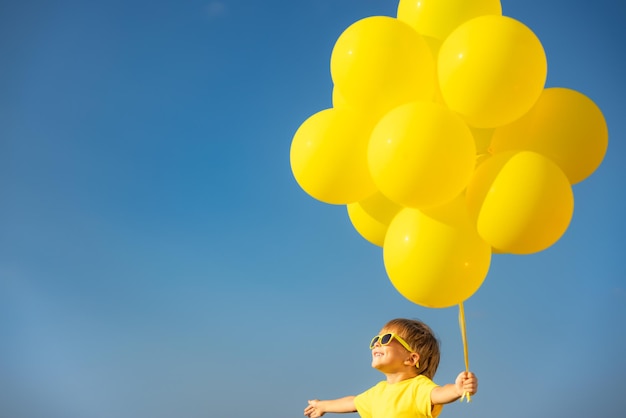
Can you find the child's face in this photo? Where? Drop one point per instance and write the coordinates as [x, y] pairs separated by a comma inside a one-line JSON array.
[[390, 358]]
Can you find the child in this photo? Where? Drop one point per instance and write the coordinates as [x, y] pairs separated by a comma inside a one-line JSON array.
[[407, 352]]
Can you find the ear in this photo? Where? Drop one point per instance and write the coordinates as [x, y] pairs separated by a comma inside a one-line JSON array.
[[413, 360]]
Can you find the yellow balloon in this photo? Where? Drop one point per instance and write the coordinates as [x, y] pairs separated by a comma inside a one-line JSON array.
[[421, 154], [329, 157], [522, 202], [434, 45], [565, 126], [367, 114], [437, 18], [379, 62], [338, 100], [435, 258], [492, 70], [371, 217]]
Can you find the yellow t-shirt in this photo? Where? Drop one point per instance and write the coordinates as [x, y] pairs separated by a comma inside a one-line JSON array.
[[409, 398]]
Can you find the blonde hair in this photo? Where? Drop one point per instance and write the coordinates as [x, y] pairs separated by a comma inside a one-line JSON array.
[[422, 340]]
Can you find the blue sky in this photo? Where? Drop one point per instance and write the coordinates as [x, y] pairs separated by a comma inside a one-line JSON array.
[[157, 258]]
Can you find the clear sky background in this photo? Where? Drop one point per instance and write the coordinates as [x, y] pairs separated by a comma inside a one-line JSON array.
[[158, 259]]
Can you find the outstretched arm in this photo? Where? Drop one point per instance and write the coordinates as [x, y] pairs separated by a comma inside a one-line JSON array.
[[318, 408], [466, 382]]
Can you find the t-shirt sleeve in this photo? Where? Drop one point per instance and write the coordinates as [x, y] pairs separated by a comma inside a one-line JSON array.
[[436, 410], [422, 399]]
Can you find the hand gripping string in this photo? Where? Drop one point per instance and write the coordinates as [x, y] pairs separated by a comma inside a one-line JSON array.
[[464, 337]]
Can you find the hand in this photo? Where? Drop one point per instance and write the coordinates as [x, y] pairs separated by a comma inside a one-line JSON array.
[[466, 382], [314, 409]]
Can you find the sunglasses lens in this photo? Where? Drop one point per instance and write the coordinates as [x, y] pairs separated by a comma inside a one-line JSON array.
[[385, 339], [374, 341]]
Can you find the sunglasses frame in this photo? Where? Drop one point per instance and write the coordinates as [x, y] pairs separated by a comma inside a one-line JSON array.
[[393, 335]]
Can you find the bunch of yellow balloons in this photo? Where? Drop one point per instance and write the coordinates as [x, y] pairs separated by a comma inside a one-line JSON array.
[[445, 144]]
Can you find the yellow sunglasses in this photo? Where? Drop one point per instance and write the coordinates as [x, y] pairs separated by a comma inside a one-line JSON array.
[[385, 339]]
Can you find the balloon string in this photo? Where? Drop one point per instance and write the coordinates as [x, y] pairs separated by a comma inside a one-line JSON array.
[[464, 337]]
